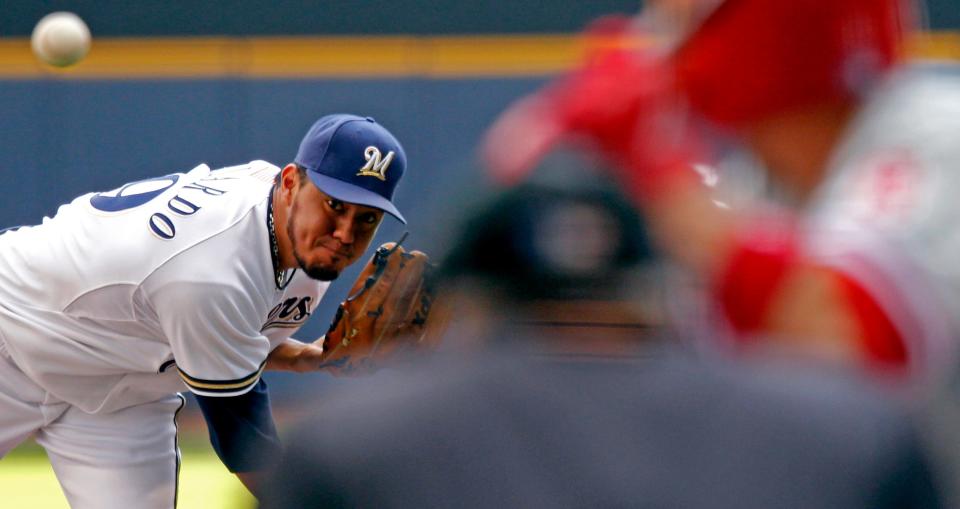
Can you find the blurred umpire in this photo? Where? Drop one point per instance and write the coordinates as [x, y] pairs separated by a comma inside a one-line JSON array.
[[558, 388]]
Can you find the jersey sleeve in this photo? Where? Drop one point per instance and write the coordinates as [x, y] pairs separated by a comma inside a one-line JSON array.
[[902, 329], [214, 333], [895, 300]]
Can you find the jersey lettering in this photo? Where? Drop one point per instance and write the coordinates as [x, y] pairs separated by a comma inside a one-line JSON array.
[[206, 189], [133, 194], [162, 225], [182, 207], [291, 312]]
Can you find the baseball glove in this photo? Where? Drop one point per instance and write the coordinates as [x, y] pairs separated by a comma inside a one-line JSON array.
[[384, 314]]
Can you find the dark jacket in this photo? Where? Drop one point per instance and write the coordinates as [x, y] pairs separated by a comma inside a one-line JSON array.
[[521, 430]]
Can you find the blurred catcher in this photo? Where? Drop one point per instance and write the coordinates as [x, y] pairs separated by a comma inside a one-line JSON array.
[[561, 261], [191, 281], [558, 387]]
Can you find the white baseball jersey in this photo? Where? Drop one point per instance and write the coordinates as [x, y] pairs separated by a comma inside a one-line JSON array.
[[123, 294], [887, 213]]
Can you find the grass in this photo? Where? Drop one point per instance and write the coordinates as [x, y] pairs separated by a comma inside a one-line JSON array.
[[27, 480]]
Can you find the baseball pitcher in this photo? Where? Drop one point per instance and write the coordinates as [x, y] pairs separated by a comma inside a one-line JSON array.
[[191, 281]]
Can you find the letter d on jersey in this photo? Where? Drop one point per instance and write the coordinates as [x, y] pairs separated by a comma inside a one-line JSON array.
[[377, 165]]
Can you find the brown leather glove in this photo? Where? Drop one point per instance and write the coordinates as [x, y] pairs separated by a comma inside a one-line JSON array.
[[384, 315]]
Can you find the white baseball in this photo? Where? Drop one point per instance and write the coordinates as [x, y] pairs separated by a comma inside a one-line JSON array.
[[60, 39]]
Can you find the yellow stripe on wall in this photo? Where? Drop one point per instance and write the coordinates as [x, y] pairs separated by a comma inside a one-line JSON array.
[[337, 57], [937, 45], [307, 57]]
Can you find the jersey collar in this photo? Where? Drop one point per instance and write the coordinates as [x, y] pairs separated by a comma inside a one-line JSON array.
[[281, 277]]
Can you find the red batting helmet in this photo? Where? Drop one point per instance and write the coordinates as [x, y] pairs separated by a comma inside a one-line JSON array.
[[748, 59]]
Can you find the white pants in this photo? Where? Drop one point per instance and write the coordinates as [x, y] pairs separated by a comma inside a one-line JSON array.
[[124, 459]]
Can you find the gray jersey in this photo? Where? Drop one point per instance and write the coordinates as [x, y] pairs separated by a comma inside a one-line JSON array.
[[887, 212]]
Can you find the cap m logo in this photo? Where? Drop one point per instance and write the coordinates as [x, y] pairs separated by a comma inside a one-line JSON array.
[[376, 163]]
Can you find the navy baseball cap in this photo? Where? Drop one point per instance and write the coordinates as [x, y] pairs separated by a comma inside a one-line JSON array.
[[354, 159]]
